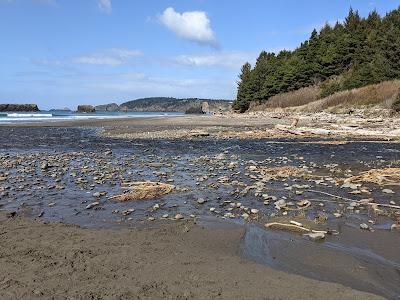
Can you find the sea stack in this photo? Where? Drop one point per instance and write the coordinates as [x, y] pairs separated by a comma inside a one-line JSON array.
[[86, 109]]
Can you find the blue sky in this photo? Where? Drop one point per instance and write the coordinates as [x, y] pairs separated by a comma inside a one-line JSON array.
[[59, 53]]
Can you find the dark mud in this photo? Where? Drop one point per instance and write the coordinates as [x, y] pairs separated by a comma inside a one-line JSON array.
[[80, 163]]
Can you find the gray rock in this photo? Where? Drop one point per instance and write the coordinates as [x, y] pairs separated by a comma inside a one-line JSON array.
[[317, 236]]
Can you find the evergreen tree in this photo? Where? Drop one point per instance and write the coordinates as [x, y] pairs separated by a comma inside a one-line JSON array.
[[355, 53]]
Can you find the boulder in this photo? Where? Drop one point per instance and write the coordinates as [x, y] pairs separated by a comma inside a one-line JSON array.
[[86, 109]]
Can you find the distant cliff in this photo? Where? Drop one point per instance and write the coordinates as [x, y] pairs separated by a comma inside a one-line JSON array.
[[19, 107], [166, 104], [107, 107]]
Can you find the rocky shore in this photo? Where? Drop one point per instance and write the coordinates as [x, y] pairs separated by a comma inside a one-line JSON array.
[[320, 206]]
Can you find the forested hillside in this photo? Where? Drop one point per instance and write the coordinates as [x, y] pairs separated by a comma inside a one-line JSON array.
[[355, 53], [169, 104]]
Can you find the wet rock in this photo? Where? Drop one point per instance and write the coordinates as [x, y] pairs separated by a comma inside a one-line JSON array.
[[280, 204], [317, 236], [395, 226], [178, 217], [350, 185], [128, 212], [201, 201], [44, 166], [220, 156], [387, 191], [11, 214], [229, 215]]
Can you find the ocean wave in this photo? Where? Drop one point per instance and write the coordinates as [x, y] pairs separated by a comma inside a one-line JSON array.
[[17, 115]]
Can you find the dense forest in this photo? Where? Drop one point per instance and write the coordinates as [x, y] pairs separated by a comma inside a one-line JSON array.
[[358, 52]]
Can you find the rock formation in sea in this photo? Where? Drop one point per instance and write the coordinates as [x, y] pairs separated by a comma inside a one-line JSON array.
[[19, 107], [108, 107], [86, 109]]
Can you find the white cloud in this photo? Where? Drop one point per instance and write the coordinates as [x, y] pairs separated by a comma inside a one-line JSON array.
[[220, 59], [192, 25], [112, 57], [105, 6]]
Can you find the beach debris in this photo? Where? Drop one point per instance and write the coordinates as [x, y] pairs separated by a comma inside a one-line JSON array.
[[143, 191], [279, 172], [287, 227], [296, 223], [386, 176], [93, 204], [364, 226], [198, 133]]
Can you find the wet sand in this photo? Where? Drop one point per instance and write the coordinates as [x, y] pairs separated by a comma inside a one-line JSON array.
[[172, 261], [224, 167]]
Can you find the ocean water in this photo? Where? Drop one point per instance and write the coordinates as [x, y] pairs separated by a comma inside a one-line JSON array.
[[56, 116]]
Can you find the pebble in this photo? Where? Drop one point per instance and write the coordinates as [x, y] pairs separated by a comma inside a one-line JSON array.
[[178, 217], [201, 201], [387, 191], [254, 211]]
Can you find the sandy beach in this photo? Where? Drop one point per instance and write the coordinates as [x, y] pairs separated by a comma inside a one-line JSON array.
[[65, 235]]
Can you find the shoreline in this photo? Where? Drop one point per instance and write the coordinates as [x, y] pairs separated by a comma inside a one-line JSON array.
[[52, 172], [125, 263], [253, 125]]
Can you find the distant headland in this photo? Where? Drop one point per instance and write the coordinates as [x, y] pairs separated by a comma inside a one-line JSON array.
[[19, 107]]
